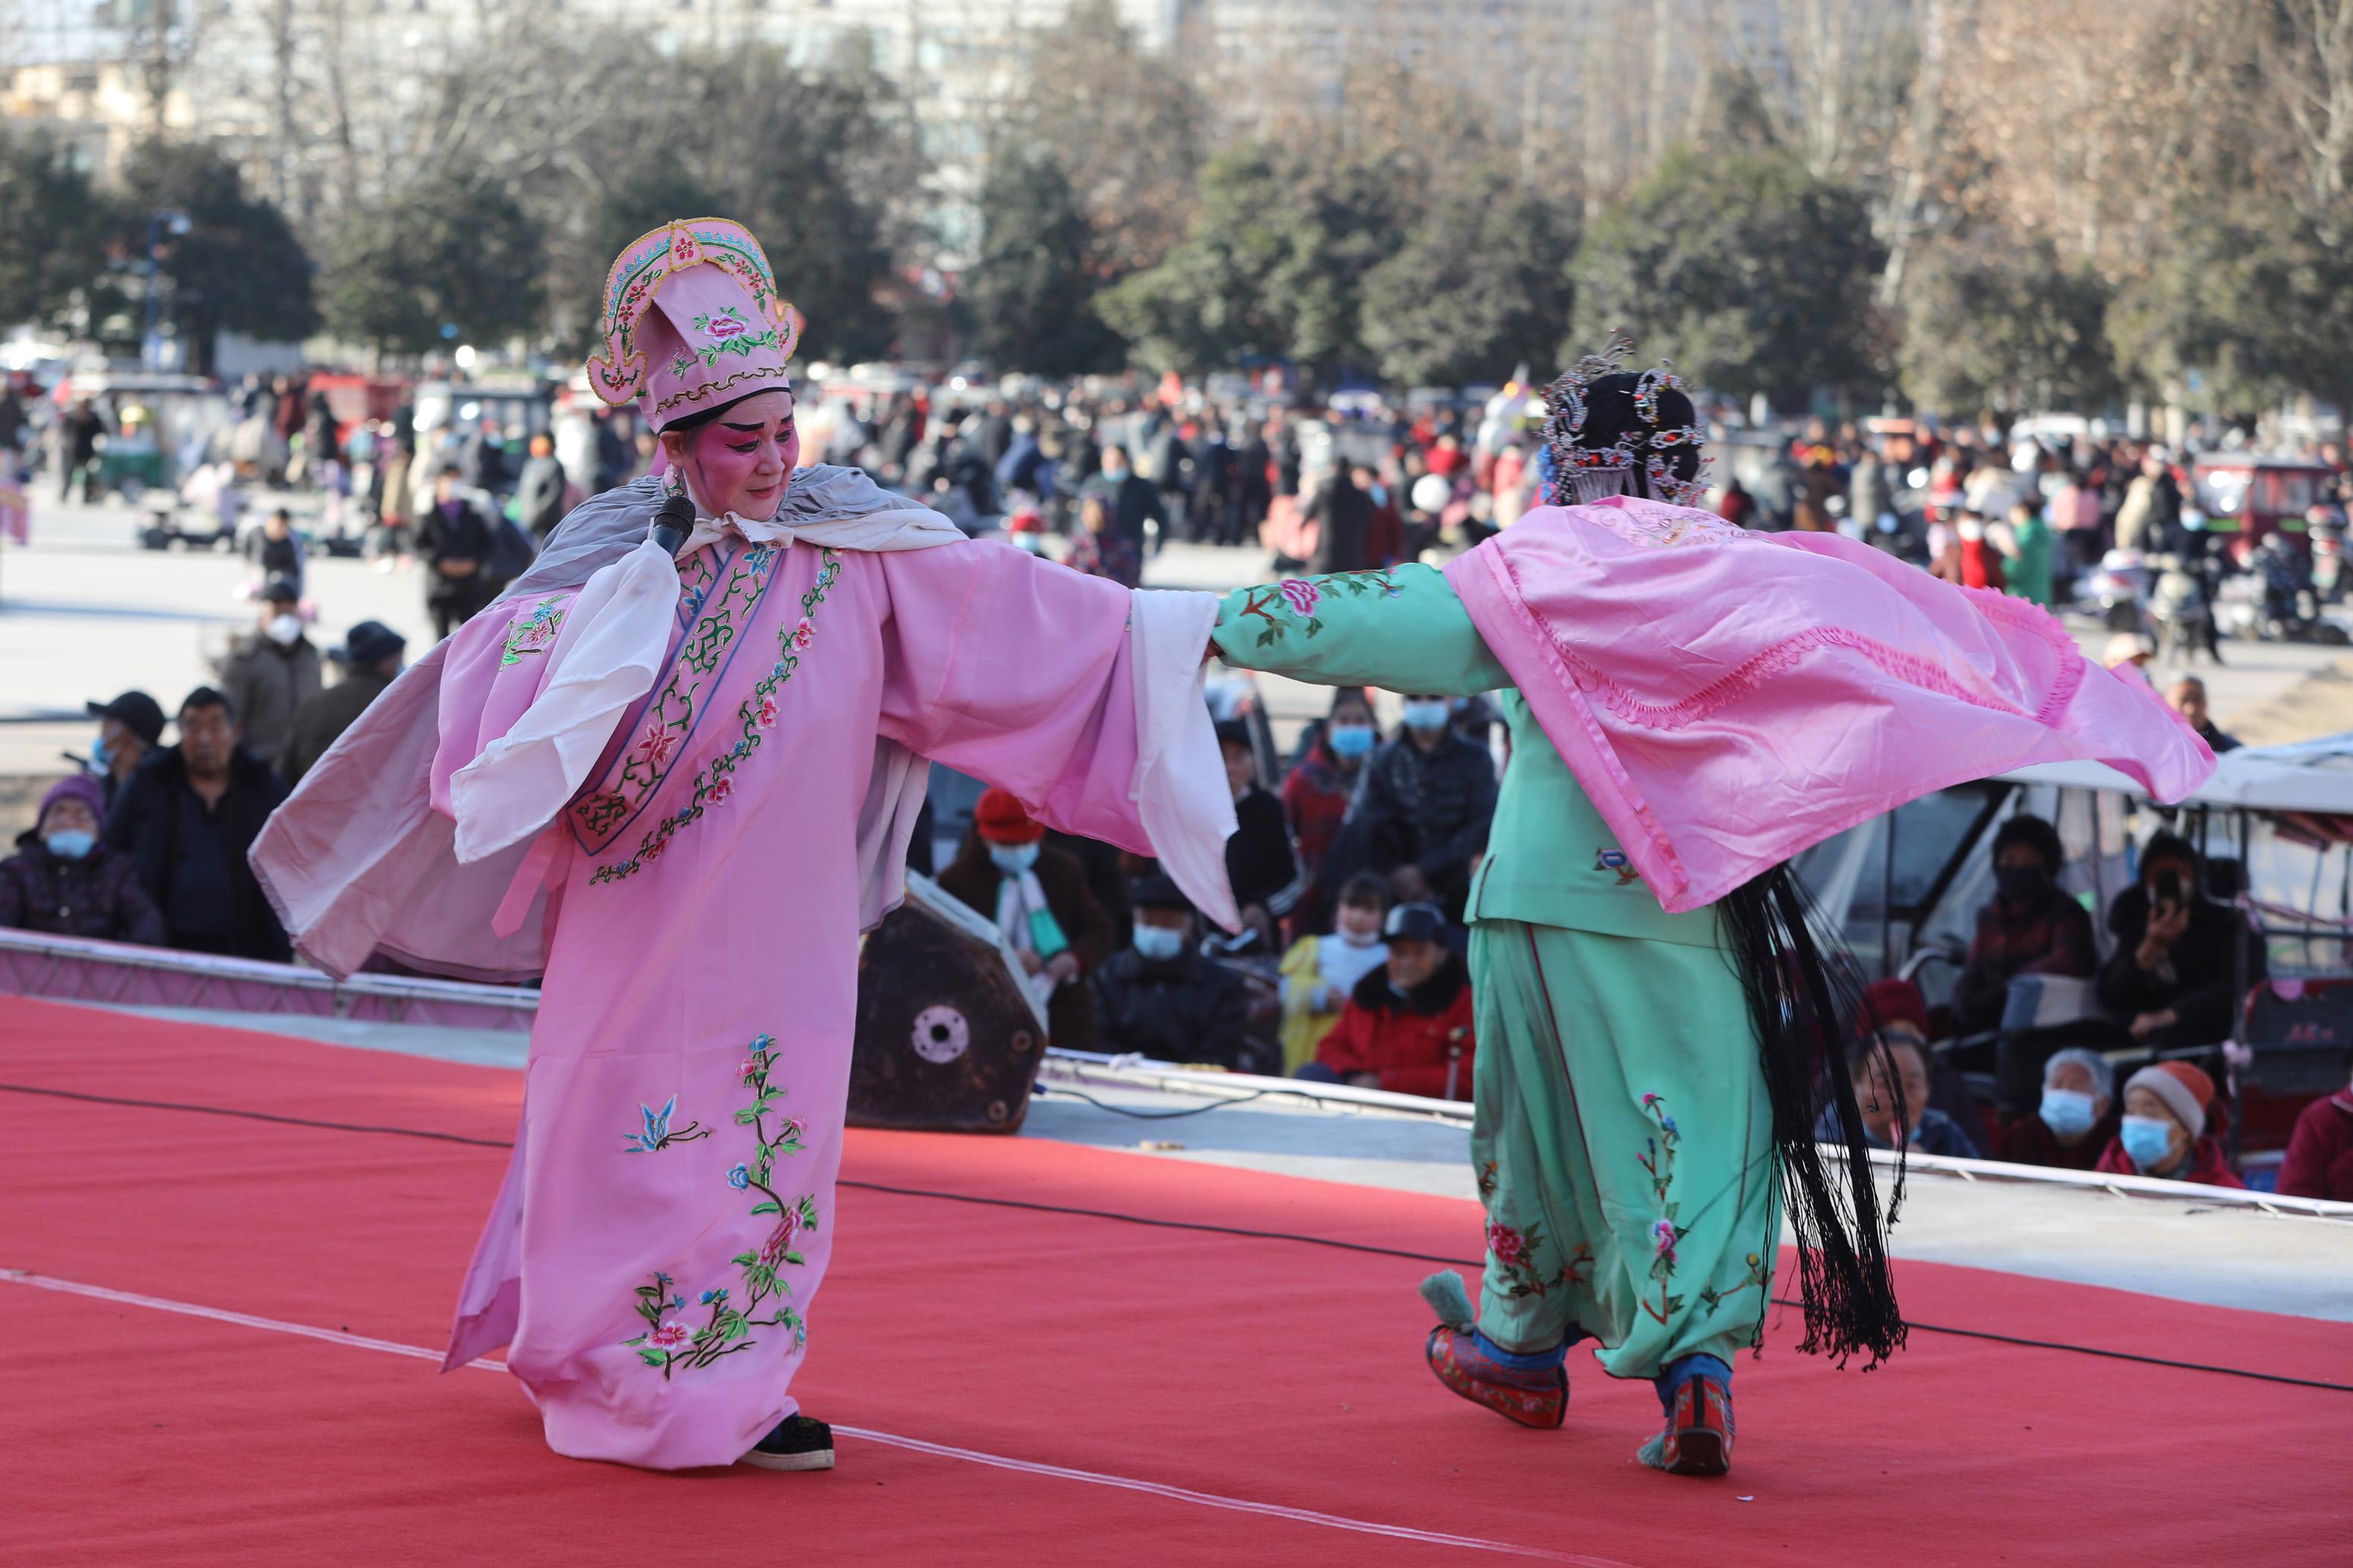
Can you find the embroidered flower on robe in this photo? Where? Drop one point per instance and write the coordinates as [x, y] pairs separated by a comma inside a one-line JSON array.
[[654, 747], [740, 1177], [765, 716], [720, 788], [1301, 595], [802, 635], [669, 1336], [1510, 1248]]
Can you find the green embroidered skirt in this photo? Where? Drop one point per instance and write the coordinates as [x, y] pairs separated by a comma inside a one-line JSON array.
[[1623, 1146]]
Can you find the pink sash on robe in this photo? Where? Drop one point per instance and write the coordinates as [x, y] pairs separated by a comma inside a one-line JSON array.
[[1729, 698]]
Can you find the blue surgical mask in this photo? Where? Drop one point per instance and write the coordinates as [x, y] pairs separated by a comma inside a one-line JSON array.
[[1350, 742], [1427, 715], [71, 843], [1013, 858], [2147, 1139], [2067, 1111], [1158, 943], [100, 759]]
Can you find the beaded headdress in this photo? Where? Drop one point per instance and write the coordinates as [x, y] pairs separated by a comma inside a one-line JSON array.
[[691, 322], [1582, 473]]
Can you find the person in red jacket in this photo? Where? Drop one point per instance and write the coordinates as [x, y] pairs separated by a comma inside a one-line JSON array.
[[2319, 1162], [2164, 1133], [1406, 1026]]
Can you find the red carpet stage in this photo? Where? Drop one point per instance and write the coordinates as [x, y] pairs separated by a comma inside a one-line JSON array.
[[221, 1333]]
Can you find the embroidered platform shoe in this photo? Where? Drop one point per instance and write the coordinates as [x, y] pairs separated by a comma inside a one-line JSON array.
[[797, 1444], [1697, 1437], [1532, 1390]]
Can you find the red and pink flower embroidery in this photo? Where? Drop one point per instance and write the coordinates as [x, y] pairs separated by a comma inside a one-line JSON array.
[[727, 325], [765, 716], [802, 635], [1301, 594], [780, 1241], [720, 788], [654, 747], [669, 1336], [1510, 1248]]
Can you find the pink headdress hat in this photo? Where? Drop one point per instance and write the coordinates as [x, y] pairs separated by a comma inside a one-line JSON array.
[[692, 322]]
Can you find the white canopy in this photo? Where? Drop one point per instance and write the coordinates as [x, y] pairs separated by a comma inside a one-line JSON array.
[[2304, 775]]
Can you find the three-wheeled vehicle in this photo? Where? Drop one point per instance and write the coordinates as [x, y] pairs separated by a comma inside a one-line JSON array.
[[2249, 497], [2273, 828], [158, 427]]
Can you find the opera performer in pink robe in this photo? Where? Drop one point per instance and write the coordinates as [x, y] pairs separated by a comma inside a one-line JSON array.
[[678, 786]]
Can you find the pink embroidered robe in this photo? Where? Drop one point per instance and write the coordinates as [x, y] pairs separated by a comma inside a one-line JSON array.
[[667, 1215]]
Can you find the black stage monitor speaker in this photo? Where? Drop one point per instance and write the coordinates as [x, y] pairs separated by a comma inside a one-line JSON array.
[[948, 1039]]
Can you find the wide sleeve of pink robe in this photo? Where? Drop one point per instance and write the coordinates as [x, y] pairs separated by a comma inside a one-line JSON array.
[[1079, 696]]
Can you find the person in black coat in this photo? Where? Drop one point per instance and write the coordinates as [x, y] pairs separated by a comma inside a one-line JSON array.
[[2176, 976], [455, 543], [1260, 860], [1344, 517], [1160, 997], [187, 819], [1130, 496], [1423, 810]]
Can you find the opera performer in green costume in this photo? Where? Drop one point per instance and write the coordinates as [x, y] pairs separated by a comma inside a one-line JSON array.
[[1647, 1083]]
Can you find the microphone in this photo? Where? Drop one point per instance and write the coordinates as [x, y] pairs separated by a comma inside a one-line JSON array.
[[672, 523]]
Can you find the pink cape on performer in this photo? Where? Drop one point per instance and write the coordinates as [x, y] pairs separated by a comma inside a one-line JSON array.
[[1729, 698]]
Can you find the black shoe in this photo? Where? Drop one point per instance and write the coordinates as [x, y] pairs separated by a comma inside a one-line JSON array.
[[797, 1444]]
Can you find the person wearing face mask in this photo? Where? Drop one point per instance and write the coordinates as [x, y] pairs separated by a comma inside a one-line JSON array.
[[1316, 793], [2074, 1123], [2028, 927], [1160, 998], [456, 542], [129, 728], [1132, 499], [1320, 973], [1038, 897], [2319, 1162], [1407, 1025], [1972, 559], [1425, 806], [63, 882], [2182, 961], [272, 672], [2163, 1130]]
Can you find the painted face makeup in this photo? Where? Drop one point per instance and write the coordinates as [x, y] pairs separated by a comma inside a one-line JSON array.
[[742, 461]]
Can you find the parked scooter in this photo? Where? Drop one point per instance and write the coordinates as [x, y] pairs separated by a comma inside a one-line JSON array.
[[2117, 588]]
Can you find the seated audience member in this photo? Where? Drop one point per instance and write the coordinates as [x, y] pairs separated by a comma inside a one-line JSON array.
[[1405, 1028], [1931, 1130], [1160, 997], [1259, 858], [1895, 1000], [187, 818], [64, 882], [2188, 695], [1425, 806], [2075, 1122], [1317, 790], [2028, 927], [370, 660], [2175, 976], [1320, 973], [2164, 1133], [1038, 897], [2319, 1162]]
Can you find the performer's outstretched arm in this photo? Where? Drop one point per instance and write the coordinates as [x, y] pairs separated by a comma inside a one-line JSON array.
[[1401, 629]]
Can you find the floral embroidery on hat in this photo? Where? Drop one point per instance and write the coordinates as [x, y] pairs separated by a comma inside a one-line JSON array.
[[730, 333]]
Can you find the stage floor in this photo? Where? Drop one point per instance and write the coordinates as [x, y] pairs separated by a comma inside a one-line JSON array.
[[224, 1320]]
